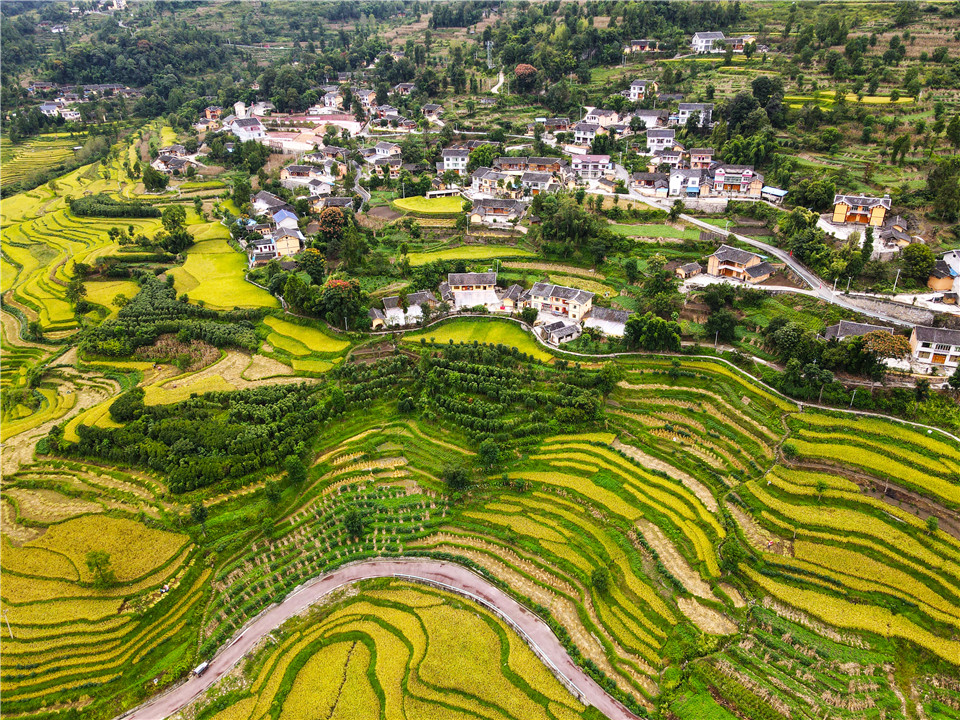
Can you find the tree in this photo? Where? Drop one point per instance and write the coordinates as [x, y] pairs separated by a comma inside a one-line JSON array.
[[488, 455], [354, 522], [649, 332], [953, 131], [600, 579], [954, 380], [272, 492], [722, 324], [75, 291], [675, 210], [99, 565], [295, 469], [199, 513], [529, 315], [482, 156], [312, 262], [886, 345], [173, 218], [917, 261], [933, 523], [456, 478], [331, 223], [526, 77], [821, 487], [341, 301], [631, 270], [241, 191], [154, 180]]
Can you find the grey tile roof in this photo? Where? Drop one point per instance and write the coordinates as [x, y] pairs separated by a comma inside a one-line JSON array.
[[862, 200], [549, 290], [845, 329], [760, 270], [938, 336], [725, 253], [456, 279], [609, 314]]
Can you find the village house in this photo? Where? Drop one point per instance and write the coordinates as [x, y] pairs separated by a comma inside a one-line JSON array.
[[432, 111], [386, 111], [685, 110], [287, 242], [591, 167], [284, 219], [248, 129], [394, 313], [707, 42], [671, 157], [584, 132], [70, 115], [319, 204], [263, 108], [685, 182], [366, 97], [688, 270], [555, 125], [650, 183], [511, 299], [609, 321], [660, 139], [701, 158], [386, 149], [212, 112], [651, 118], [468, 290], [845, 329], [517, 165], [378, 320], [455, 160], [641, 46], [536, 182], [175, 150], [638, 89], [489, 182], [267, 203], [560, 300], [935, 346], [333, 99], [735, 180], [299, 174], [50, 109], [739, 264], [387, 166], [941, 277], [601, 117], [860, 209], [496, 212], [560, 331], [545, 164], [404, 89]]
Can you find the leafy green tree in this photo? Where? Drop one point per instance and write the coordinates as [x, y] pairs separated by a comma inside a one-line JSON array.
[[272, 492], [295, 469], [355, 522], [600, 579], [649, 332], [482, 156], [631, 270], [529, 315], [154, 180], [199, 514], [821, 487], [456, 478], [933, 524], [312, 262], [722, 324], [917, 261], [488, 454], [100, 566], [174, 217]]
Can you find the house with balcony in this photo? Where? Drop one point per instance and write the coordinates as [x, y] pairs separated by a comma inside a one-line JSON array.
[[537, 182], [585, 132], [736, 180], [488, 181], [738, 264], [671, 157], [701, 158], [248, 129], [496, 212], [467, 290], [591, 167], [660, 139], [560, 300], [404, 89], [601, 117], [455, 160], [861, 209], [685, 182], [935, 346], [639, 88]]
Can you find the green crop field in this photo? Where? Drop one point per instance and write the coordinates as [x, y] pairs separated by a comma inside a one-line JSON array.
[[469, 252], [483, 331], [655, 231], [430, 206], [37, 154], [307, 339]]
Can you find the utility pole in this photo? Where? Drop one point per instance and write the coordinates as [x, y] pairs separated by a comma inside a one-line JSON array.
[[716, 340], [848, 284], [835, 285], [896, 280], [852, 398]]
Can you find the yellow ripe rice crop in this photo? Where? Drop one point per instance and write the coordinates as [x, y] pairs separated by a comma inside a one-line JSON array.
[[134, 549], [313, 339], [62, 611], [49, 506], [521, 525], [604, 438], [886, 428], [179, 389], [843, 614], [37, 562]]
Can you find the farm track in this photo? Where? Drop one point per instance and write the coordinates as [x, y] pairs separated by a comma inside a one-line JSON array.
[[431, 572]]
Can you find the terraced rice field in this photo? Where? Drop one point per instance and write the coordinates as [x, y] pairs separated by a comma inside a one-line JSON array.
[[301, 340], [402, 651], [483, 331], [214, 273], [430, 206], [71, 639], [37, 154], [469, 252]]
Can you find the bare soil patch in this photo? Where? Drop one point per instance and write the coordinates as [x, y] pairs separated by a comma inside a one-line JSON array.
[[384, 213], [707, 619], [691, 483], [674, 562]]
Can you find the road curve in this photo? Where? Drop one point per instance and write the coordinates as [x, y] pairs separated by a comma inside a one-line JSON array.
[[448, 575]]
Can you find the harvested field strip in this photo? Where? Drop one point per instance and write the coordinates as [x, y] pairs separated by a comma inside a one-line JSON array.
[[882, 428], [555, 268]]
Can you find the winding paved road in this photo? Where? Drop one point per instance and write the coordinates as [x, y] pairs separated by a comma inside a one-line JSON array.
[[449, 576]]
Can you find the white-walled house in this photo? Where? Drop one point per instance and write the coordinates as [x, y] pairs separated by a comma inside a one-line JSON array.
[[591, 167], [936, 346], [706, 42], [687, 109], [660, 139], [455, 160], [248, 129]]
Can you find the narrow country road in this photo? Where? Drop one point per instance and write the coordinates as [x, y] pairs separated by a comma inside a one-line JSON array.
[[496, 88], [450, 576], [822, 289]]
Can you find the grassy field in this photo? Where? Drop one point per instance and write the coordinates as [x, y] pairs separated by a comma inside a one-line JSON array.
[[482, 331], [430, 206], [37, 154], [469, 252], [655, 231]]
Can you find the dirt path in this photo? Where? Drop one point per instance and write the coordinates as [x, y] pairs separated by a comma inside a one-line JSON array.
[[449, 576], [11, 333]]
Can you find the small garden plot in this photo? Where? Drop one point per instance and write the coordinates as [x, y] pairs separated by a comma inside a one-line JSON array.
[[656, 230], [430, 206], [469, 252], [494, 332], [598, 289]]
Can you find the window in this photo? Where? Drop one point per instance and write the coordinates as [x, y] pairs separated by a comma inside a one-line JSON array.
[[943, 348]]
